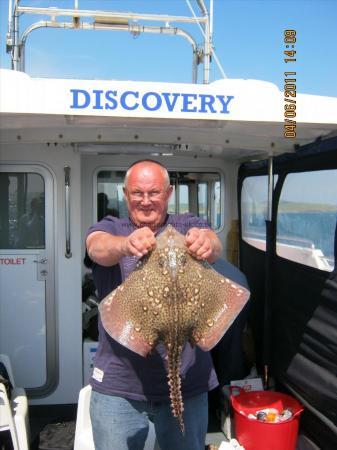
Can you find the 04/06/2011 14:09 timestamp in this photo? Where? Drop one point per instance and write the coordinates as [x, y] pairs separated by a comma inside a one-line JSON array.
[[290, 84]]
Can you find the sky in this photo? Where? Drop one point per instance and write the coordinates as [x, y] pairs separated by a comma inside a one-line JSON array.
[[248, 40]]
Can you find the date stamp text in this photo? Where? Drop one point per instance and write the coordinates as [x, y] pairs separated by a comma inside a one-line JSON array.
[[290, 84]]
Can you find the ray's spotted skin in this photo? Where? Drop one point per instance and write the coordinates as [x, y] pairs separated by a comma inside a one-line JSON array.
[[172, 298]]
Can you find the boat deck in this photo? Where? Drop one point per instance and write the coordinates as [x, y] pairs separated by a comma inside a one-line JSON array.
[[41, 416]]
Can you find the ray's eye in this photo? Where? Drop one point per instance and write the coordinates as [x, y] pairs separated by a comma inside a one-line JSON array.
[[161, 261], [182, 260]]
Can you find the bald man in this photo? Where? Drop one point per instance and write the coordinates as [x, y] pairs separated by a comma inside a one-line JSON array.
[[129, 390]]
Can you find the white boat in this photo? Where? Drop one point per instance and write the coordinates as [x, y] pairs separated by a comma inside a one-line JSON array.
[[226, 144]]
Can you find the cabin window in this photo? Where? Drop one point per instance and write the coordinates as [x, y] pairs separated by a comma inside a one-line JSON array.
[[254, 200], [110, 198], [22, 206], [195, 192], [306, 218]]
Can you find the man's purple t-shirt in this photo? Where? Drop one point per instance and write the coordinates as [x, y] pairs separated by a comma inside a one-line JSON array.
[[120, 371]]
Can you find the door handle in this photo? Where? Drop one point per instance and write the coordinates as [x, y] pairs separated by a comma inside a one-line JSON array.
[[41, 261], [68, 253]]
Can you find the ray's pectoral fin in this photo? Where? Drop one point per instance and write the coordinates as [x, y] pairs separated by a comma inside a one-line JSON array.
[[223, 300], [124, 316]]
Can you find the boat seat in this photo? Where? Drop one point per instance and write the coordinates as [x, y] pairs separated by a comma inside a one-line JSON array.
[[14, 411], [83, 433]]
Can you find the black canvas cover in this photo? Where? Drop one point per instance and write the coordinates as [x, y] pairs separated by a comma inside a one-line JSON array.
[[302, 309]]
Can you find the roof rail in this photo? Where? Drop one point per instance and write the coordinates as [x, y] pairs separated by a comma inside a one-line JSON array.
[[110, 20]]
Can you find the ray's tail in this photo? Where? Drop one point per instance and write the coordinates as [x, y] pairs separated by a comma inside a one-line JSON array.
[[174, 382]]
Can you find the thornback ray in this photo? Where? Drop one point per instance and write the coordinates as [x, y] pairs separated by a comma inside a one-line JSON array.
[[172, 297]]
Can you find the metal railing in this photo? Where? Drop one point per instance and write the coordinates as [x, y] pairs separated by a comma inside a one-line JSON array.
[[110, 20]]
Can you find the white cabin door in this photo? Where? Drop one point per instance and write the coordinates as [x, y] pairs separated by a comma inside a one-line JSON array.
[[27, 309]]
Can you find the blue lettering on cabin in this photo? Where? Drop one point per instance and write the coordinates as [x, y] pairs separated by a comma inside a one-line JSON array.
[[109, 96], [80, 94], [124, 105], [170, 102], [150, 101], [187, 101], [146, 102], [98, 95], [225, 103], [207, 102]]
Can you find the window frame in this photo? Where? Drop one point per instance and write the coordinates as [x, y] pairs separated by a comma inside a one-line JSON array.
[[222, 202], [276, 215], [281, 174]]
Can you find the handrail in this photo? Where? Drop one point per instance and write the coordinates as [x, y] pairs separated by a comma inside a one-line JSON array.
[[108, 14], [67, 169], [105, 20], [133, 29]]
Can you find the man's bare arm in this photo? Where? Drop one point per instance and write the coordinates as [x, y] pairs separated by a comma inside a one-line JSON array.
[[107, 250]]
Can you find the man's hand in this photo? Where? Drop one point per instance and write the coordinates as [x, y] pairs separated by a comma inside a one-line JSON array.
[[139, 243], [203, 244]]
